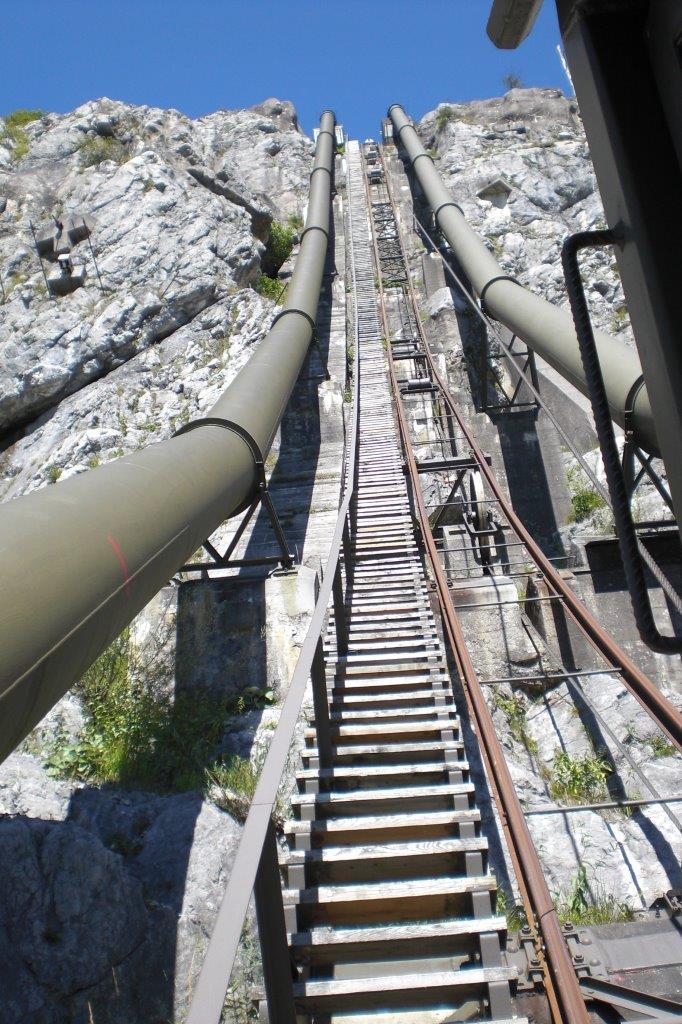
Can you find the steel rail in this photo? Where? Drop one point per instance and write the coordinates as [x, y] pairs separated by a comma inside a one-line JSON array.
[[561, 986], [666, 716], [214, 978], [545, 328], [603, 805], [82, 557]]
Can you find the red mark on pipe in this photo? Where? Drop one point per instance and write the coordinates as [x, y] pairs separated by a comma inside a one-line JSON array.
[[121, 561]]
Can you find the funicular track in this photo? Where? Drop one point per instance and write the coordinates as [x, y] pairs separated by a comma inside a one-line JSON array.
[[377, 905], [490, 529], [389, 901]]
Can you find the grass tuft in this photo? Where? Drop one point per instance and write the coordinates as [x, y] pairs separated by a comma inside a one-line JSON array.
[[444, 116], [93, 152], [585, 904], [135, 734], [505, 907], [514, 710], [13, 131], [575, 780]]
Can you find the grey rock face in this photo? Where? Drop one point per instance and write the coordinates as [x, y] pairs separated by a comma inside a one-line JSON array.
[[107, 899], [178, 212], [61, 891], [143, 400], [532, 140]]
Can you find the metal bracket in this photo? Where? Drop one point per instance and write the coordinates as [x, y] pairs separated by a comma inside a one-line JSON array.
[[511, 401], [522, 953], [633, 475], [649, 1008], [620, 503], [262, 495]]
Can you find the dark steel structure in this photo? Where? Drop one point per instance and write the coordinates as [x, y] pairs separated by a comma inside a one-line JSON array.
[[545, 328], [82, 558], [625, 61]]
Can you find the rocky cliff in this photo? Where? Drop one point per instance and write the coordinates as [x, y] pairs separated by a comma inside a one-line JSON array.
[[109, 893], [520, 169], [178, 214]]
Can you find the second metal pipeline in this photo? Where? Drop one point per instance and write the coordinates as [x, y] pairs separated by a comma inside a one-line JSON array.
[[81, 558], [545, 328]]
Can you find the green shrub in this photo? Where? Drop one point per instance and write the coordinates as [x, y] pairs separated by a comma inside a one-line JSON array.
[[13, 131], [659, 746], [584, 503], [53, 474], [95, 151], [444, 116], [18, 118], [295, 221], [584, 498], [270, 287], [280, 244], [135, 733], [578, 780]]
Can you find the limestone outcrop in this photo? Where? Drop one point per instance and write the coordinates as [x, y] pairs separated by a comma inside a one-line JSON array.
[[179, 213], [519, 167]]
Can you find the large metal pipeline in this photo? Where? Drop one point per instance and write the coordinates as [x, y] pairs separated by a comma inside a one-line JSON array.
[[81, 558], [545, 328]]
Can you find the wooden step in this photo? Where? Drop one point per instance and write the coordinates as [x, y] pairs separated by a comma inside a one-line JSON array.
[[388, 701], [381, 828], [437, 797], [404, 991], [354, 777], [391, 732], [396, 661], [386, 861], [351, 715], [388, 753], [338, 945], [387, 675], [384, 902], [392, 645], [445, 1014]]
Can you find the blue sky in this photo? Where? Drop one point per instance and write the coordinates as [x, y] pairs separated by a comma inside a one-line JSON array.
[[199, 55]]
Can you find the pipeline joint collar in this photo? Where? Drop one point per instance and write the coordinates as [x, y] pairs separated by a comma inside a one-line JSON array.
[[236, 428], [443, 206], [301, 312], [494, 280]]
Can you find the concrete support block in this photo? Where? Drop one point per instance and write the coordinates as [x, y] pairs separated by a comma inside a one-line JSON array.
[[64, 284]]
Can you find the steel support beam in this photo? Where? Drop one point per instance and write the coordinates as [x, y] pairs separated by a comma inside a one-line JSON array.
[[545, 328], [81, 558]]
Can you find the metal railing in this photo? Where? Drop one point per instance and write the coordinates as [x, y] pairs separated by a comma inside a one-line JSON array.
[[256, 867]]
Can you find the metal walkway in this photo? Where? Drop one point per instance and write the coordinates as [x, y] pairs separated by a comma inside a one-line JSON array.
[[389, 901]]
